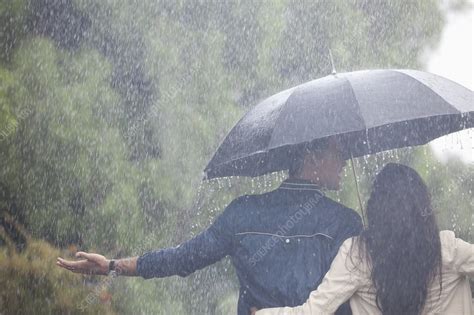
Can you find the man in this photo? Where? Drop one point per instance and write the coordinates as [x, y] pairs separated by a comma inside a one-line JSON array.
[[281, 243]]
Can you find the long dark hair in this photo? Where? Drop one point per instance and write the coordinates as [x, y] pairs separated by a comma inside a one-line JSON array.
[[401, 242]]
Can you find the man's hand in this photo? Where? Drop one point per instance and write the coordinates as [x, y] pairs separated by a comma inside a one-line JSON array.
[[92, 264], [253, 310]]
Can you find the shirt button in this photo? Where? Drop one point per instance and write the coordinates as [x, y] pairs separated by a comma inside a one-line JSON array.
[[287, 241]]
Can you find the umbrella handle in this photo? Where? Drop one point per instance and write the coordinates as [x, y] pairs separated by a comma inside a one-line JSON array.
[[358, 192]]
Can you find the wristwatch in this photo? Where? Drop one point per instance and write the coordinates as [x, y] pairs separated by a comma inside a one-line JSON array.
[[112, 271]]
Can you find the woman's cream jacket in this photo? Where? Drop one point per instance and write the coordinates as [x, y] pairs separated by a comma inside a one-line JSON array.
[[350, 279]]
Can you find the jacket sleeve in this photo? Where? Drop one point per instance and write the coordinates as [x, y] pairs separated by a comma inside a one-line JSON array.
[[339, 284], [463, 257], [206, 248]]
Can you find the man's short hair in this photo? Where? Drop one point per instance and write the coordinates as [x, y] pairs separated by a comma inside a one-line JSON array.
[[300, 153]]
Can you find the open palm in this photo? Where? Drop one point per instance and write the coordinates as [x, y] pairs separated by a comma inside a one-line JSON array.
[[92, 264]]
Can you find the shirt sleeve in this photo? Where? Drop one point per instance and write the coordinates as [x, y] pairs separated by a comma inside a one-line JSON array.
[[463, 257], [339, 284], [206, 248]]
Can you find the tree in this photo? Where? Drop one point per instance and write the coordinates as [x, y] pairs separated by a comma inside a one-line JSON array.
[[127, 100]]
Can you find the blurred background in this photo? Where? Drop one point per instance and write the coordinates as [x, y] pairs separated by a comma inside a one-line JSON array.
[[110, 110]]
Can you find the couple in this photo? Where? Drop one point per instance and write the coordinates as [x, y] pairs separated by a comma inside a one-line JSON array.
[[283, 243], [401, 263]]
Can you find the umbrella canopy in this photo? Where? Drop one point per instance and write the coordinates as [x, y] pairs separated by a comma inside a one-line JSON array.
[[371, 111]]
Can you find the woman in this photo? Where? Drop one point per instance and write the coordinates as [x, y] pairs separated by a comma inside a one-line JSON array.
[[401, 264]]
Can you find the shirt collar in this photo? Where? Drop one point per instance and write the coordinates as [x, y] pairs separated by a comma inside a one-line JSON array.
[[299, 184]]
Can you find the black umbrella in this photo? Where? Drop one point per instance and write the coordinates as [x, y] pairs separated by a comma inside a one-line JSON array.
[[372, 111]]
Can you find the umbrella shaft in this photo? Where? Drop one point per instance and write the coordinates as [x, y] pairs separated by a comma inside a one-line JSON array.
[[358, 192]]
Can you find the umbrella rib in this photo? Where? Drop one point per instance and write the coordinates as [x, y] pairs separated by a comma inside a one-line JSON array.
[[223, 140], [359, 113], [431, 89], [278, 119], [236, 125]]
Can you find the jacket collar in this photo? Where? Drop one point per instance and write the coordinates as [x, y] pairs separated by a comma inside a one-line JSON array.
[[299, 184]]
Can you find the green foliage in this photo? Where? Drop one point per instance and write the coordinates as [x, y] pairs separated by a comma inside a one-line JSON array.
[[31, 286], [74, 177], [8, 121], [360, 34], [118, 105], [12, 26]]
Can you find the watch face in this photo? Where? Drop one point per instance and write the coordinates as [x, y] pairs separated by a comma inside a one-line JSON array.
[[112, 265]]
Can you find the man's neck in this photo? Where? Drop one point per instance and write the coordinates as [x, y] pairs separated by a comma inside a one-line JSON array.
[[312, 179]]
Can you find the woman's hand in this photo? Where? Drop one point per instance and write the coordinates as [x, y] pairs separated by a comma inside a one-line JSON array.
[[91, 264]]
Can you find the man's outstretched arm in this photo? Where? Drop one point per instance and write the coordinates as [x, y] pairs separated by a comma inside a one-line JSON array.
[[196, 253], [205, 249], [95, 264]]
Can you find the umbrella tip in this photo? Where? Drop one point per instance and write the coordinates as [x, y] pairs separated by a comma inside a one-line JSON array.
[[334, 72]]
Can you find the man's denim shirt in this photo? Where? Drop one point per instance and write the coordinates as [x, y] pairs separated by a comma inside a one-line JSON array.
[[281, 244]]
